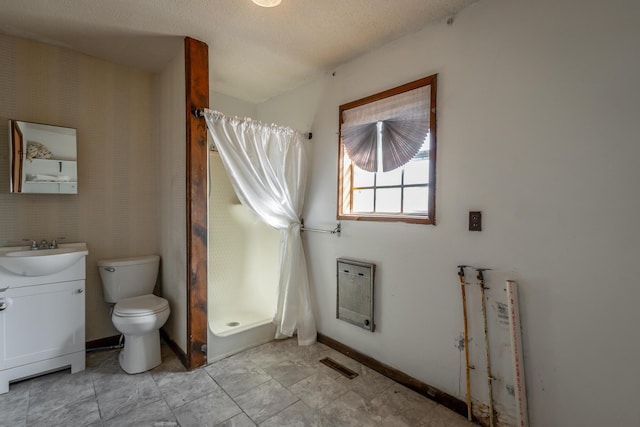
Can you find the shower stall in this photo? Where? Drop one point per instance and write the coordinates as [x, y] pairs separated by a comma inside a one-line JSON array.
[[243, 271]]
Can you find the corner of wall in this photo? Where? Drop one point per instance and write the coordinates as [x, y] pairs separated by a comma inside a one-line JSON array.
[[172, 141]]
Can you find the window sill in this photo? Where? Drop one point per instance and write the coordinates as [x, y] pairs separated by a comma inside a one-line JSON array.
[[410, 219]]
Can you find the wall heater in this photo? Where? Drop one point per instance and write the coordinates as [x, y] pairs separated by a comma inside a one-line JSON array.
[[355, 292]]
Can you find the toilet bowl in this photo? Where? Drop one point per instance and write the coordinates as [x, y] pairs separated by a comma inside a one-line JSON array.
[[139, 319], [128, 283]]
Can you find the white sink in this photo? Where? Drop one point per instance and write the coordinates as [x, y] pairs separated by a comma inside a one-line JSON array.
[[22, 261]]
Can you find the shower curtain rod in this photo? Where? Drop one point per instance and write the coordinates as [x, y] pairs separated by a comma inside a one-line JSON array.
[[199, 113]]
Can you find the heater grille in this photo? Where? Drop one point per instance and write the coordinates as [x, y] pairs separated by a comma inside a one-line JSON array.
[[355, 292]]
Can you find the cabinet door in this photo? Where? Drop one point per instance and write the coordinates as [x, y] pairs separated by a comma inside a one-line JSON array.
[[41, 322]]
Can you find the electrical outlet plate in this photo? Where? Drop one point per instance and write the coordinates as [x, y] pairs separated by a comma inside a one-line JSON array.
[[475, 221]]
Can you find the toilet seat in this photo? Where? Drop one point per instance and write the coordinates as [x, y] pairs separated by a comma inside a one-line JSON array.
[[144, 305]]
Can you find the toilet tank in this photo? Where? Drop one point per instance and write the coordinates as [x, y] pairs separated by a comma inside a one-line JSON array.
[[128, 277]]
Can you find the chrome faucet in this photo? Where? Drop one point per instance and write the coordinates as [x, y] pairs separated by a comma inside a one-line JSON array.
[[33, 245]]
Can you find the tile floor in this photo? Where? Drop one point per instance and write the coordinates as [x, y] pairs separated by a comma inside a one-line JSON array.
[[275, 385]]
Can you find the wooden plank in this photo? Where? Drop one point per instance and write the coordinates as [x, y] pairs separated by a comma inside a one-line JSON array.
[[197, 96]]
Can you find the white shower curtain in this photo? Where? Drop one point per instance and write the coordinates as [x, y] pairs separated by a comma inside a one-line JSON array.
[[267, 166]]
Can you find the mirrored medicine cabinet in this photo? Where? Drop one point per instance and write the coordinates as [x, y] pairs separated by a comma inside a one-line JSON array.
[[42, 158]]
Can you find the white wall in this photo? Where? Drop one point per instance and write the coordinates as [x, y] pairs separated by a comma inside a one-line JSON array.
[[173, 199], [111, 107], [537, 110], [231, 106], [297, 109]]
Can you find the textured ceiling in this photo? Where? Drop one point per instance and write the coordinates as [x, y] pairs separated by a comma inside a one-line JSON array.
[[254, 53]]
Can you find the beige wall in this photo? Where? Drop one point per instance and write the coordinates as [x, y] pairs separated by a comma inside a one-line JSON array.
[[173, 208], [115, 210]]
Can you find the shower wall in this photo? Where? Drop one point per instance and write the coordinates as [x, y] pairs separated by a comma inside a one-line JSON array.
[[243, 268]]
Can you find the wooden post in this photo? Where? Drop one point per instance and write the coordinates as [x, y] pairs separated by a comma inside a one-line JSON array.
[[197, 96]]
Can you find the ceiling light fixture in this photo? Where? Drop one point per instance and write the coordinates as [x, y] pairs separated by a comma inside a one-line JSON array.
[[267, 3]]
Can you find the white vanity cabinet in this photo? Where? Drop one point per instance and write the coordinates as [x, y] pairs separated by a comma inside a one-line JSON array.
[[42, 323]]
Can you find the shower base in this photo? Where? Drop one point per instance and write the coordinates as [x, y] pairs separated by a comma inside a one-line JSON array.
[[224, 323], [227, 338]]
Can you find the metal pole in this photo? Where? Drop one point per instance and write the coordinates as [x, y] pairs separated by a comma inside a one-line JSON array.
[[486, 343], [466, 339]]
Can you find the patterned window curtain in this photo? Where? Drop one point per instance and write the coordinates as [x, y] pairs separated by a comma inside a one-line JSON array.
[[404, 122]]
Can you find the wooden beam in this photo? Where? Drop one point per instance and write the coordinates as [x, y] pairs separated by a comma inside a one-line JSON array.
[[197, 94]]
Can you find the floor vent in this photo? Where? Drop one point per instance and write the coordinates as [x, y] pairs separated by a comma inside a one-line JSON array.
[[343, 370]]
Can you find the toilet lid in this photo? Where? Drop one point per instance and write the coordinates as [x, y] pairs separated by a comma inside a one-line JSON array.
[[140, 306]]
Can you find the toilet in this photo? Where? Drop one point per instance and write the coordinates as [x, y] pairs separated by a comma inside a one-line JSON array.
[[138, 314]]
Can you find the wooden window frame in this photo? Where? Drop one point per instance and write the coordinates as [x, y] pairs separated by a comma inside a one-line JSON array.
[[345, 175]]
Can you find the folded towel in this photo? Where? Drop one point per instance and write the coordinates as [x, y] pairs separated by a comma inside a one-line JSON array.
[[47, 178]]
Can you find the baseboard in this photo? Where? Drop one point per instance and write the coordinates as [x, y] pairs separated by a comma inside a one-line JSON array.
[[182, 356], [112, 341], [400, 377]]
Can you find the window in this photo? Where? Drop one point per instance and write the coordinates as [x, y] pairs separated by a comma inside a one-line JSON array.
[[386, 165]]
